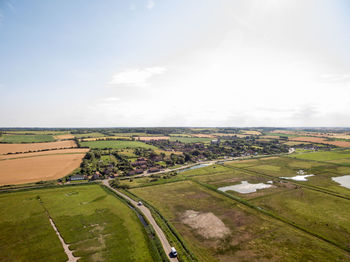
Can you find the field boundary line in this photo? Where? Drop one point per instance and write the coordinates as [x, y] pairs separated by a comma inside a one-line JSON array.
[[273, 215], [318, 189]]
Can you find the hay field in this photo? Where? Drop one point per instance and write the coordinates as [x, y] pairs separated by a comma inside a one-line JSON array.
[[321, 141], [49, 152], [251, 132], [41, 168], [13, 148], [66, 136]]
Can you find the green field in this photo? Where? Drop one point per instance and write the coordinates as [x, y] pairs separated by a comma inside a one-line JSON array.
[[190, 139], [321, 213], [116, 144], [6, 138], [325, 155], [288, 167], [94, 134], [38, 132], [96, 225], [229, 231]]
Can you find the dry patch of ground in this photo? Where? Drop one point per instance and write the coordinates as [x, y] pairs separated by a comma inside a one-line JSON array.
[[207, 224], [13, 148], [43, 153], [66, 136], [33, 169]]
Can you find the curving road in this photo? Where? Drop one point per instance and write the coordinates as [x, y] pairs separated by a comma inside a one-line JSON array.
[[147, 213]]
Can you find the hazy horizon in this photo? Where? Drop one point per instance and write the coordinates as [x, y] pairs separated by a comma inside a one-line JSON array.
[[151, 63]]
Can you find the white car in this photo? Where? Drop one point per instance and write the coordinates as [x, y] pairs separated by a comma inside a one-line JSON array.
[[173, 252], [139, 203]]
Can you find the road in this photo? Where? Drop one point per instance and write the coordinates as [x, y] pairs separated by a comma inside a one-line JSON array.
[[147, 213]]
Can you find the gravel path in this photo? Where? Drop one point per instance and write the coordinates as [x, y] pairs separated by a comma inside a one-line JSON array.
[[71, 257], [147, 213]]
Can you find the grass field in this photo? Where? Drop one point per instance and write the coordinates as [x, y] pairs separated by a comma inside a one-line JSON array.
[[190, 139], [96, 225], [37, 132], [325, 155], [219, 229], [95, 134], [288, 167], [319, 212], [27, 138], [116, 144]]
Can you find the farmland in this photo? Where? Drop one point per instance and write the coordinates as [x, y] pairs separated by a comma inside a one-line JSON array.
[[92, 134], [217, 228], [108, 229], [27, 138], [321, 141], [33, 169], [116, 144], [49, 152], [15, 148], [325, 156], [190, 139]]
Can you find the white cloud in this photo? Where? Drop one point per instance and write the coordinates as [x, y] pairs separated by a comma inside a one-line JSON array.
[[111, 99], [336, 78], [136, 77], [150, 4]]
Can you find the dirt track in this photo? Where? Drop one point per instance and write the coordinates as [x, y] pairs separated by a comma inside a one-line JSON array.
[[147, 213]]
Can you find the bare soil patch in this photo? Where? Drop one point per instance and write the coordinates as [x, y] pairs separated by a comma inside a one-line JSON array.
[[13, 148], [207, 224], [43, 153], [33, 169]]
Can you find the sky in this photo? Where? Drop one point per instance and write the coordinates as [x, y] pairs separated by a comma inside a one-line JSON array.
[[132, 63]]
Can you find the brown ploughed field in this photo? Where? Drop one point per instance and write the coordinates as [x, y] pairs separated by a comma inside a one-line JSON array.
[[33, 169], [13, 148]]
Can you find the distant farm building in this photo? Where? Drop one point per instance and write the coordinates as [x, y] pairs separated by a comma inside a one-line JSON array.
[[77, 177]]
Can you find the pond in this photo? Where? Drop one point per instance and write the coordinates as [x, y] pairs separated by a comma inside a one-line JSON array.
[[343, 180], [297, 178], [244, 187], [193, 167]]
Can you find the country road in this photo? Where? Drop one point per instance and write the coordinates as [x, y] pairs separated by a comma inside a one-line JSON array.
[[147, 213]]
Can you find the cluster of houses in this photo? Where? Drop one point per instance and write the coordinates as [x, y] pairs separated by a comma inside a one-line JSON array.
[[142, 165]]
